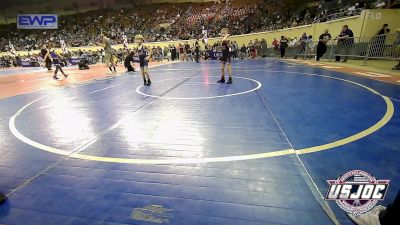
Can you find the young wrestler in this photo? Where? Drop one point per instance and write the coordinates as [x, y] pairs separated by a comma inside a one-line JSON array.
[[144, 54], [226, 57], [56, 60]]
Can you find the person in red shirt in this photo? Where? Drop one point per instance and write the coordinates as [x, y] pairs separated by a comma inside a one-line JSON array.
[[275, 44], [253, 51]]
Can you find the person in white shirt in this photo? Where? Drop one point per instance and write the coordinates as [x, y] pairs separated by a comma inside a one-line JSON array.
[[293, 42]]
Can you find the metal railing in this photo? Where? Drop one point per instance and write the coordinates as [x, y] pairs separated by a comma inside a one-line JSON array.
[[385, 46]]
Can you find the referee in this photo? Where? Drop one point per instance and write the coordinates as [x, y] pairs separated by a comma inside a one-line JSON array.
[[109, 53], [47, 60]]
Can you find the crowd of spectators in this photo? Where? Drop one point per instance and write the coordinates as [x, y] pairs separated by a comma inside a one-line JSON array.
[[164, 22], [303, 46], [182, 51]]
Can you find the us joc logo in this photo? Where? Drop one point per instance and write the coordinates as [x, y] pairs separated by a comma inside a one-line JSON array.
[[356, 191]]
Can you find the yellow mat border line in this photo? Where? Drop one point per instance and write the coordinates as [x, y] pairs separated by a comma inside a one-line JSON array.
[[382, 122]]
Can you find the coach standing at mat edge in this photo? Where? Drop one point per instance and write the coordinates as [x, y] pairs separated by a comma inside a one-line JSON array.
[[344, 41], [323, 40]]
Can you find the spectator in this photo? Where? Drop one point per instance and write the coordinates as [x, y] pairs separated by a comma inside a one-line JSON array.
[[383, 30], [235, 49], [181, 54], [323, 40], [206, 52], [302, 45], [275, 44], [310, 45], [166, 53], [252, 50], [283, 45], [378, 42], [187, 52], [380, 215], [197, 51], [380, 4], [257, 46], [397, 47], [173, 51], [304, 36], [186, 21], [293, 42], [345, 42], [264, 48], [243, 52]]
